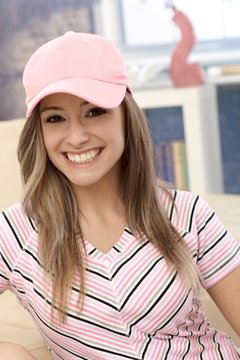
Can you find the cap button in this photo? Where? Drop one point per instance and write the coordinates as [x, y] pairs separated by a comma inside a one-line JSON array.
[[69, 33]]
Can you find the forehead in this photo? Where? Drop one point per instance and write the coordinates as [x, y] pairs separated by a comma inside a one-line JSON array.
[[68, 102], [62, 98]]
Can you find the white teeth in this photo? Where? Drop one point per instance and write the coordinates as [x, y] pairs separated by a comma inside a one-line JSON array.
[[83, 158]]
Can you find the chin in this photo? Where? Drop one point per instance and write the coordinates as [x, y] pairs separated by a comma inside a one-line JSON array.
[[83, 183]]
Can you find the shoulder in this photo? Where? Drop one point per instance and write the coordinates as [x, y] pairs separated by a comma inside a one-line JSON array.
[[15, 224], [214, 249], [18, 244], [186, 210]]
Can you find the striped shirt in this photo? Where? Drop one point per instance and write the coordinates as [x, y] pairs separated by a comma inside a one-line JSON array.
[[136, 306]]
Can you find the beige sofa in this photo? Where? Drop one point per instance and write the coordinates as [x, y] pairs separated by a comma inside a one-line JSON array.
[[15, 323]]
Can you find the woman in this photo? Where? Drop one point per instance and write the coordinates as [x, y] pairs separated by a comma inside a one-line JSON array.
[[107, 259]]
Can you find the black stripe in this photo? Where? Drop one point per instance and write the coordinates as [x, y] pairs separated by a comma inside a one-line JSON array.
[[97, 325], [92, 251], [24, 276], [139, 282], [85, 320], [173, 206], [115, 308], [98, 274], [79, 341], [128, 259], [115, 248], [213, 245], [154, 304], [190, 312], [195, 255], [96, 299], [101, 301], [81, 319], [26, 251], [23, 292], [32, 225], [202, 322], [132, 290], [218, 345], [103, 327], [120, 266], [6, 263], [12, 229], [33, 256], [4, 277], [192, 213], [207, 221], [148, 343], [169, 348], [203, 347], [184, 234], [188, 348], [174, 314], [222, 265], [129, 294], [128, 231]]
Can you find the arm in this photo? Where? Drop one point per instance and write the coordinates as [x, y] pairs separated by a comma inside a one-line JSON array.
[[218, 260], [226, 295], [12, 351]]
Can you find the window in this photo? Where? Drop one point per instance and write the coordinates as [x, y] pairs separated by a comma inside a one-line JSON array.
[[146, 27]]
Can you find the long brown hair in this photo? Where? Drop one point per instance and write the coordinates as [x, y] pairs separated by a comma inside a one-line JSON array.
[[49, 199]]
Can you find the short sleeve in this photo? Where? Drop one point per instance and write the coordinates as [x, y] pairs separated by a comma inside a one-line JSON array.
[[14, 230], [5, 269], [218, 252]]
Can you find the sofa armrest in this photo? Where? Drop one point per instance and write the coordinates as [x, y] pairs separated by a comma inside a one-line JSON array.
[[216, 319], [16, 326]]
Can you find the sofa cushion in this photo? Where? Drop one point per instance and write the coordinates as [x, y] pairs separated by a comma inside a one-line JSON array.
[[10, 181]]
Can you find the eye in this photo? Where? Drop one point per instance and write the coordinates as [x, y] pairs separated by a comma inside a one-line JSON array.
[[96, 112], [52, 119]]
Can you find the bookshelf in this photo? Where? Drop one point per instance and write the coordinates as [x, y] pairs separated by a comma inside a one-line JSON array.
[[201, 131], [166, 125]]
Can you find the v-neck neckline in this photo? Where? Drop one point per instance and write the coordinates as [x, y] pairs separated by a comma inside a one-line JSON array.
[[116, 249]]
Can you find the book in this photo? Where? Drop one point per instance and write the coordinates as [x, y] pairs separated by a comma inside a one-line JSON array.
[[180, 164], [171, 163], [223, 70], [164, 161]]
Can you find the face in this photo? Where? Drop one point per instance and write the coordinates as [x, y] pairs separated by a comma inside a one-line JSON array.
[[83, 141]]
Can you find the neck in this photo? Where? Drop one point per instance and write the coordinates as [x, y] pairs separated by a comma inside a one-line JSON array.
[[101, 199]]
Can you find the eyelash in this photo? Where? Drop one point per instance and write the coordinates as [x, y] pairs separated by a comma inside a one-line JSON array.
[[54, 119], [96, 112], [92, 113]]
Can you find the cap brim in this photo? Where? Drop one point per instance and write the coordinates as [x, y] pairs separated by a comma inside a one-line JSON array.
[[100, 93]]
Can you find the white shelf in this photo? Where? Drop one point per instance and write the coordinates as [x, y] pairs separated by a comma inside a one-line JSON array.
[[201, 131], [226, 79]]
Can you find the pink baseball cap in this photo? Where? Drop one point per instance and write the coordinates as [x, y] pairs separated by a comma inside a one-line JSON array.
[[86, 65]]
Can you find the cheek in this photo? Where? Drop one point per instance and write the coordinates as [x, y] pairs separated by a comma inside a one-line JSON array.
[[50, 140], [118, 131], [121, 135], [50, 147], [47, 143], [116, 137]]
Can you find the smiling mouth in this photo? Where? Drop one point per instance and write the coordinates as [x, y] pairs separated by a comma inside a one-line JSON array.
[[83, 158]]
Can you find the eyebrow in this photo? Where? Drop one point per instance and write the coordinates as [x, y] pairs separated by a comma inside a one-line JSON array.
[[47, 108]]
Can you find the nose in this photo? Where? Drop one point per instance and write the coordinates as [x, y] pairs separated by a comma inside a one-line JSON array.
[[76, 133]]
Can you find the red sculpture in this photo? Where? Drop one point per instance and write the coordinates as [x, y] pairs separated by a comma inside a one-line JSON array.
[[183, 73]]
